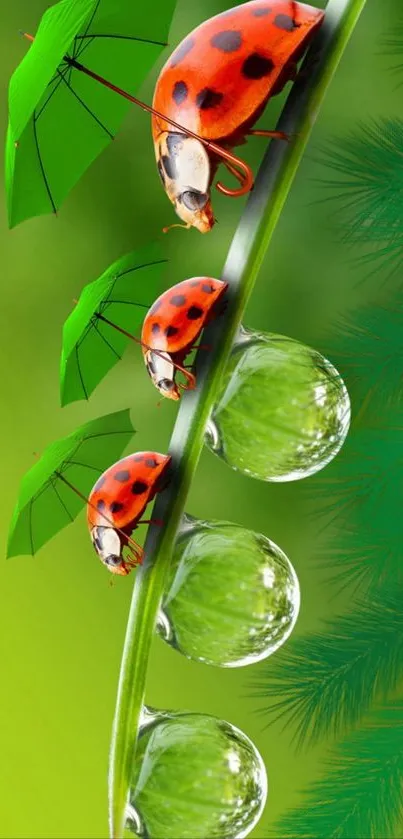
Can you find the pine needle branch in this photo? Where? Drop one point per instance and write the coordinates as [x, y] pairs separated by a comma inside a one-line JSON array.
[[324, 683], [359, 497], [361, 796], [368, 189]]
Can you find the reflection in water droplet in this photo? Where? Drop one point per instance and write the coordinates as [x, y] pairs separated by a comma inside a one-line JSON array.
[[283, 412], [195, 777], [232, 596]]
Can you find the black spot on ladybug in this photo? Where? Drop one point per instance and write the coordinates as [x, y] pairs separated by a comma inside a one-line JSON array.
[[194, 313], [180, 92], [257, 66], [228, 41], [116, 507], [169, 166], [154, 308], [151, 462], [208, 289], [100, 505], [178, 300], [161, 171], [122, 476], [139, 487], [208, 98], [155, 328], [285, 22], [152, 371], [99, 484], [182, 51], [265, 10], [171, 331]]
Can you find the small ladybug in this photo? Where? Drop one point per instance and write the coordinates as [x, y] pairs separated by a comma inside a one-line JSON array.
[[116, 504], [216, 85], [173, 325]]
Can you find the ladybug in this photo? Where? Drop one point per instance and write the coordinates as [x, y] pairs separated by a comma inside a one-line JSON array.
[[215, 86], [116, 503], [173, 325]]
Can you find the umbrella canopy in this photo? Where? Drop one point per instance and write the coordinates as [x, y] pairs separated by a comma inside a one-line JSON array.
[[59, 118], [121, 296], [47, 500]]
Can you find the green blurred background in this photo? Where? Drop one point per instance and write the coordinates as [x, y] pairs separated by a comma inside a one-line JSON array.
[[61, 625]]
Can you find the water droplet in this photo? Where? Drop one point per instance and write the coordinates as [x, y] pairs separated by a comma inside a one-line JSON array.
[[195, 776], [232, 596], [283, 412]]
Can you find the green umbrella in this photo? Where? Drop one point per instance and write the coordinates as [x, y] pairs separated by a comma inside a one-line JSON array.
[[54, 491], [60, 118], [98, 330]]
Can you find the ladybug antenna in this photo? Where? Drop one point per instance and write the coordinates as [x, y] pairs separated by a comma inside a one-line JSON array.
[[245, 176], [170, 226]]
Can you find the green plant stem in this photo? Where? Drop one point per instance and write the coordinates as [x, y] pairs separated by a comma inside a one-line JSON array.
[[243, 262]]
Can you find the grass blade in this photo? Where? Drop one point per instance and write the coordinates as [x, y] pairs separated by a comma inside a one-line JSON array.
[[243, 262]]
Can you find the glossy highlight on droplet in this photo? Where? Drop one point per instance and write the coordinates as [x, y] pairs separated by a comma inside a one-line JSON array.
[[194, 776], [232, 596], [283, 412]]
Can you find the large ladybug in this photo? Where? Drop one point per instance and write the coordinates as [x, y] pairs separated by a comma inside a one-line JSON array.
[[216, 85], [116, 504], [173, 325]]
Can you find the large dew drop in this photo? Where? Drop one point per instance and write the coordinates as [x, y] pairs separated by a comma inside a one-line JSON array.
[[283, 412], [232, 596], [194, 777]]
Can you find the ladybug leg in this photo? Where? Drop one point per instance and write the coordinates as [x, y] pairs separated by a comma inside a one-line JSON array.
[[245, 176], [158, 522], [275, 135]]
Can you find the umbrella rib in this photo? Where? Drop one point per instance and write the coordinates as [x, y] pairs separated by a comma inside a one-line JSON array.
[[80, 374], [122, 38], [105, 340], [56, 87], [84, 465], [108, 302], [31, 535], [62, 503], [42, 166], [81, 101], [137, 267], [91, 20]]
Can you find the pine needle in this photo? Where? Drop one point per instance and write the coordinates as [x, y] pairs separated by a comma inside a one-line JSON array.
[[367, 349], [361, 797], [369, 188], [324, 683]]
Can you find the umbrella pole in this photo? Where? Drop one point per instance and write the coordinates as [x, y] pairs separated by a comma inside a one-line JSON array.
[[84, 498], [188, 376], [245, 174]]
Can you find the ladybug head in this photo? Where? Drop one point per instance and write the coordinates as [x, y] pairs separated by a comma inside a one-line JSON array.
[[184, 167], [162, 372], [109, 549]]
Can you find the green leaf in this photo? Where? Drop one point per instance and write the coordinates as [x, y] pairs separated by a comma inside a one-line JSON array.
[[361, 796], [324, 683]]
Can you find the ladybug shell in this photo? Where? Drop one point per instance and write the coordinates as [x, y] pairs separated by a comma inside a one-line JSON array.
[[178, 316], [222, 74], [124, 490]]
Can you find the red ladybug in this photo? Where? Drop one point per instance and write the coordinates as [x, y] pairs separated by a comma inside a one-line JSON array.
[[116, 504], [173, 325], [216, 84]]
